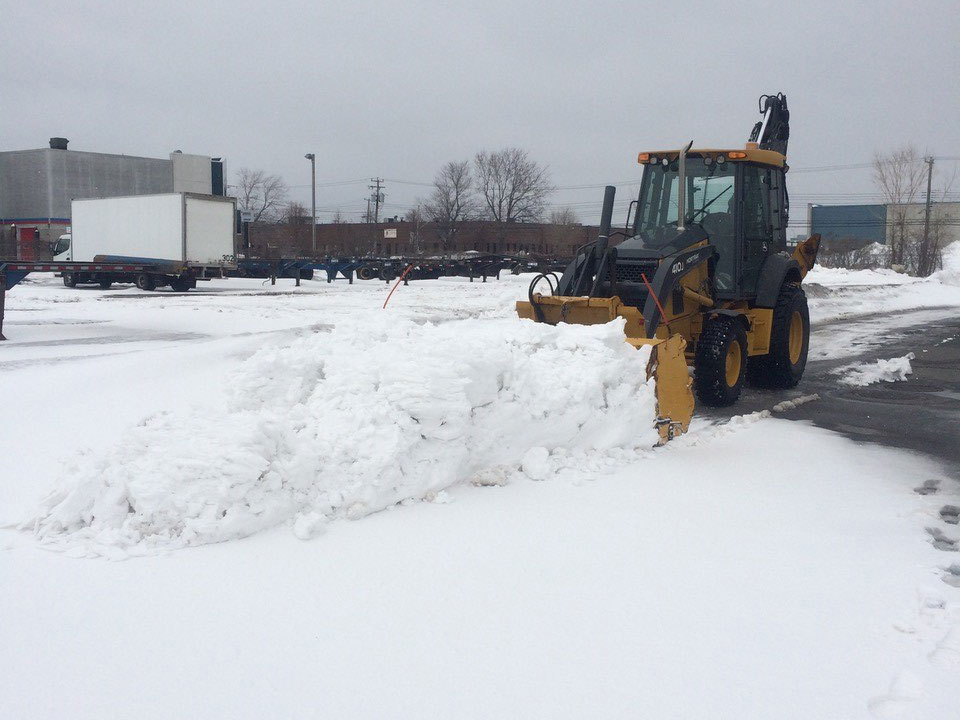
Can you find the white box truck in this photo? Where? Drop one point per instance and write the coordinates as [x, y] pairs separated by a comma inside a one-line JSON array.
[[182, 237]]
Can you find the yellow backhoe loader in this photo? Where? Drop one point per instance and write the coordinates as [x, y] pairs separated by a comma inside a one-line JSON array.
[[712, 287]]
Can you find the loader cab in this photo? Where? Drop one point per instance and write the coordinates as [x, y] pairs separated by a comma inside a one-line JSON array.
[[731, 197]]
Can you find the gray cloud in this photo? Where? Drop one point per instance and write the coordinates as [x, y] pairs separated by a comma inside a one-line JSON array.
[[397, 88]]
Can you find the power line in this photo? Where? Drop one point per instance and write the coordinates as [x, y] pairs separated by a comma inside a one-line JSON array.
[[376, 197]]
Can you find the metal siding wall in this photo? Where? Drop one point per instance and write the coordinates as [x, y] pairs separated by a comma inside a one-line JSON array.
[[23, 185], [41, 183], [864, 222]]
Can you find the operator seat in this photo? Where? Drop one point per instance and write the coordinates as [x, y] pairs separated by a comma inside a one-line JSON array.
[[720, 230]]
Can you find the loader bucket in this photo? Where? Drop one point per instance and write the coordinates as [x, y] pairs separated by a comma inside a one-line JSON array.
[[806, 254], [667, 365], [554, 309]]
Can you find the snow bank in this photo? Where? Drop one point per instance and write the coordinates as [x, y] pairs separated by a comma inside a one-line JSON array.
[[352, 421], [950, 275], [838, 277], [891, 370]]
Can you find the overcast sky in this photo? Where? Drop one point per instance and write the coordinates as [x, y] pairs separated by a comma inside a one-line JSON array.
[[395, 89]]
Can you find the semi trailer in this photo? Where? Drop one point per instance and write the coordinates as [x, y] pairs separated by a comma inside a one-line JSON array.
[[181, 237]]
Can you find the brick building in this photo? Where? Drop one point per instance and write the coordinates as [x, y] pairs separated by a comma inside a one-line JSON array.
[[404, 238]]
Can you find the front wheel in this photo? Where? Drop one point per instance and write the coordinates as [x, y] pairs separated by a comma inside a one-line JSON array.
[[70, 280], [720, 362], [783, 366]]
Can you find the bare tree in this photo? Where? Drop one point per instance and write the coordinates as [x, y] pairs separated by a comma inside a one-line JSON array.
[[261, 194], [852, 252], [513, 187], [452, 200], [417, 218], [337, 218], [900, 177], [295, 213], [564, 216]]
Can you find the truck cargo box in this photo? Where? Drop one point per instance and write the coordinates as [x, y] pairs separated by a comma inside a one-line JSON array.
[[188, 228]]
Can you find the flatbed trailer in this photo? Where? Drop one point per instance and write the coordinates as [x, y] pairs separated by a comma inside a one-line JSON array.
[[180, 276], [12, 272], [388, 269]]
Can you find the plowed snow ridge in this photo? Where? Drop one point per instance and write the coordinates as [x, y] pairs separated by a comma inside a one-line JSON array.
[[349, 422]]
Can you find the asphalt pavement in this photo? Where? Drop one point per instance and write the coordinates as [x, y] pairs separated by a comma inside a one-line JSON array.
[[921, 413]]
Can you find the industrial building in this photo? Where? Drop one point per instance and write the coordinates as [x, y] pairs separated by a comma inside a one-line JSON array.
[[844, 222], [37, 187], [878, 223]]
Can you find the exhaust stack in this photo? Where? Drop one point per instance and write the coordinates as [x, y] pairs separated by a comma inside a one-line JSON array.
[[606, 217], [682, 187]]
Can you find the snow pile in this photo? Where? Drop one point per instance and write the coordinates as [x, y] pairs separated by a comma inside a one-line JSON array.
[[839, 277], [950, 275], [349, 422], [891, 370]]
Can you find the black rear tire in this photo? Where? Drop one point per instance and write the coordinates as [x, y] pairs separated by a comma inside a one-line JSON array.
[[70, 280], [106, 284], [720, 362], [180, 284], [145, 281], [783, 366]]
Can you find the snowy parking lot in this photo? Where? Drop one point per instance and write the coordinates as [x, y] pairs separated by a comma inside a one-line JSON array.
[[253, 501]]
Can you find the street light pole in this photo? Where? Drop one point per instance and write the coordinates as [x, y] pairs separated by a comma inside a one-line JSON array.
[[313, 200]]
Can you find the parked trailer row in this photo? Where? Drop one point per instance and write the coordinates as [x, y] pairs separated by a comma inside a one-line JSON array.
[[389, 268]]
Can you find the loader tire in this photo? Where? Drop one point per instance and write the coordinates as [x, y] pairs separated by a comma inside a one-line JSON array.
[[783, 366], [720, 362]]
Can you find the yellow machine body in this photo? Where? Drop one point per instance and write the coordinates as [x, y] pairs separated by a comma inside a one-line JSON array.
[[681, 323]]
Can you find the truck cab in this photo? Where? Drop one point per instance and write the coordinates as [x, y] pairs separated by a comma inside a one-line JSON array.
[[61, 249]]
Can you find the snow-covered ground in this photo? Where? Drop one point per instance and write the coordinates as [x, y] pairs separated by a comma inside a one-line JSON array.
[[438, 510]]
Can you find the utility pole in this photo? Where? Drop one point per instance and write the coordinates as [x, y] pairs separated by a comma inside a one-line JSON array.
[[376, 197], [313, 200], [926, 256]]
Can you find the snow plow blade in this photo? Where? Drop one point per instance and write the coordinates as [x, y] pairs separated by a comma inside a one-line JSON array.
[[667, 365]]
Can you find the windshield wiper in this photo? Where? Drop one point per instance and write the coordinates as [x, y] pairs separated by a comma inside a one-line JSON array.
[[704, 208]]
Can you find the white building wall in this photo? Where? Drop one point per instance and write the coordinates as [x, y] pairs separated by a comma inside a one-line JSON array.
[[914, 214], [191, 173]]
